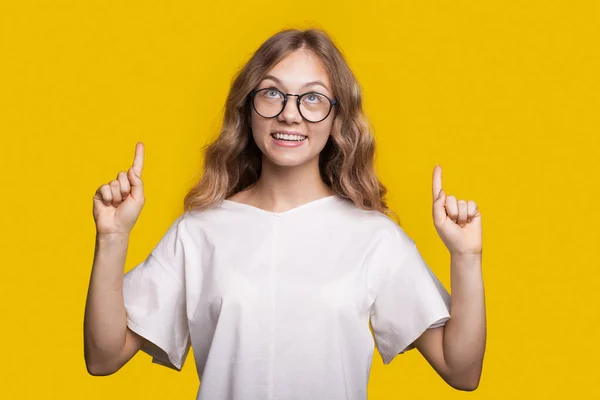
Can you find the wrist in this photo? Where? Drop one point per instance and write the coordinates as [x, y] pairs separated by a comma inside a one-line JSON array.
[[466, 255], [112, 238], [466, 260]]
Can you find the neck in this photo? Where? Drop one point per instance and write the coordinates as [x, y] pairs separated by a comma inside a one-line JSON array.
[[281, 188]]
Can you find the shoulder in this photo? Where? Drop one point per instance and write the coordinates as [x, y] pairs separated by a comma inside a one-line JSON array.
[[214, 221], [204, 216], [372, 222], [374, 237]]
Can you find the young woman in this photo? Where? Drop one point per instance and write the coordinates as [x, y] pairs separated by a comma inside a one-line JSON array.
[[284, 253]]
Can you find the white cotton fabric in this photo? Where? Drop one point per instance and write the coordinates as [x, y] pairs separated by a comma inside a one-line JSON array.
[[277, 305]]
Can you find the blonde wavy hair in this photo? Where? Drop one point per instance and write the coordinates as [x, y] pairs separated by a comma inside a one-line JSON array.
[[232, 162]]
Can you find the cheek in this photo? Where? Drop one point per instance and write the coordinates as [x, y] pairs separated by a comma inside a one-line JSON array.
[[260, 124], [321, 131]]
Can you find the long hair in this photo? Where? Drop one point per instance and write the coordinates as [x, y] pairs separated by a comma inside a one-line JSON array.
[[232, 162]]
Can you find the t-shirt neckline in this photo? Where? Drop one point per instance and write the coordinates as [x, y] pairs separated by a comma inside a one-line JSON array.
[[321, 200]]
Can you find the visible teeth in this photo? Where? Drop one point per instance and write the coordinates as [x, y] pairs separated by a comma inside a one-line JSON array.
[[284, 136]]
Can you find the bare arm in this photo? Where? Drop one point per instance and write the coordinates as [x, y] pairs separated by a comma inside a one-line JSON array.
[[456, 350], [108, 342]]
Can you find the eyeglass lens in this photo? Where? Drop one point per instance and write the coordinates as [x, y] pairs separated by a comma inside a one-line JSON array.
[[313, 106]]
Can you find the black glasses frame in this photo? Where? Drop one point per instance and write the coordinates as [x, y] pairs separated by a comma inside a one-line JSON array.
[[253, 93]]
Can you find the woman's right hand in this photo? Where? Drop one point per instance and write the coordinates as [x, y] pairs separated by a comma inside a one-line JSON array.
[[118, 204]]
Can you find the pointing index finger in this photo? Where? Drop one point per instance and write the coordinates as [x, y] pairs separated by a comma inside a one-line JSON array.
[[138, 161], [437, 181]]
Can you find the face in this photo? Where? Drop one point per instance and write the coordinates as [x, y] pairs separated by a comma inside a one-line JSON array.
[[298, 73]]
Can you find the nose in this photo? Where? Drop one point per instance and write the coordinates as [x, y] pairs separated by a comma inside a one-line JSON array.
[[290, 113]]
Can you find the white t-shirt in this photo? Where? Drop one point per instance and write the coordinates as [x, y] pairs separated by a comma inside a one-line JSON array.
[[277, 305]]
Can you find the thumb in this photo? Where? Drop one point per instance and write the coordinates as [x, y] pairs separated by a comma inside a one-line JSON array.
[[439, 208], [137, 186]]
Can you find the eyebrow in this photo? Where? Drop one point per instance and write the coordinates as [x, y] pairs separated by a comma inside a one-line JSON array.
[[271, 77]]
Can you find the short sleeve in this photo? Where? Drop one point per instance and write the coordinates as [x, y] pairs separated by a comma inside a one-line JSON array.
[[154, 294], [411, 299]]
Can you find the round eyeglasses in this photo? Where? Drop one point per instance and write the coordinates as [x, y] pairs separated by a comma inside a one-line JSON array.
[[270, 102]]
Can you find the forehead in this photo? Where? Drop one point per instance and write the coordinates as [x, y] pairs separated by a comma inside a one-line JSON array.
[[298, 68]]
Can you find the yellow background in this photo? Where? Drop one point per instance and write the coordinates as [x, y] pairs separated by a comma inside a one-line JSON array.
[[504, 95]]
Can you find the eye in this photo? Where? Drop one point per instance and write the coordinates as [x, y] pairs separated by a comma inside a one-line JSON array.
[[272, 93], [314, 97]]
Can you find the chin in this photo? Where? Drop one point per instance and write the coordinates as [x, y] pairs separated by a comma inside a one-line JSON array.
[[291, 161]]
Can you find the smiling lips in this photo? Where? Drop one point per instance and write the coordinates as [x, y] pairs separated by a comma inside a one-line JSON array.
[[288, 140], [288, 137]]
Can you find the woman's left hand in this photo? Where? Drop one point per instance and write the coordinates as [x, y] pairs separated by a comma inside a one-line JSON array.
[[458, 222]]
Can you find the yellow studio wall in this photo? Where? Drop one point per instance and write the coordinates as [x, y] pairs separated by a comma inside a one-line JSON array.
[[504, 95]]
